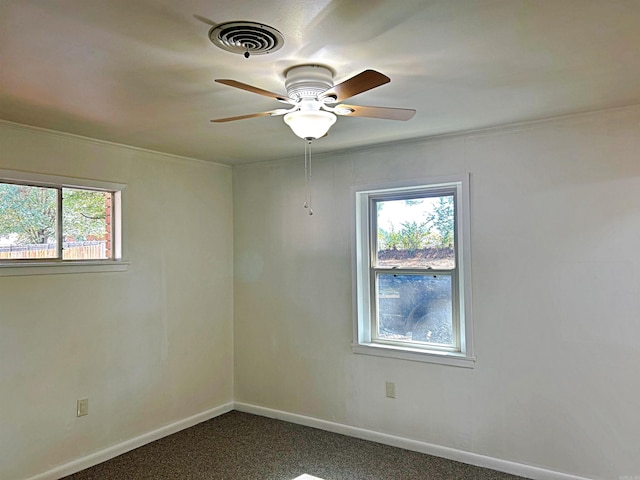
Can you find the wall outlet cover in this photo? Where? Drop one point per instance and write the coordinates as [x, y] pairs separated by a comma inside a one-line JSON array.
[[83, 407]]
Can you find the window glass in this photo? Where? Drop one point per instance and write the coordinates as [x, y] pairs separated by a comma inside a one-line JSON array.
[[28, 222], [415, 308], [49, 222], [86, 224], [416, 232]]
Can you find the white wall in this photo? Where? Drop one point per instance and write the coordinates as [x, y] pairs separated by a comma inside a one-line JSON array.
[[149, 346], [555, 238], [555, 227]]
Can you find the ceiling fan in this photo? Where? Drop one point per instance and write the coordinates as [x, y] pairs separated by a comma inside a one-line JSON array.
[[315, 101]]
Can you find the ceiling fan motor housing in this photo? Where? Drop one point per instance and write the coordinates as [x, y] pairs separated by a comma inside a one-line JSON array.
[[307, 81]]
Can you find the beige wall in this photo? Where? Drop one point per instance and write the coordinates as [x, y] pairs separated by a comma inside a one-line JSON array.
[[149, 346], [555, 238]]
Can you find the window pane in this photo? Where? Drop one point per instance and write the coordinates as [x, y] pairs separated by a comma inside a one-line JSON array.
[[86, 224], [416, 232], [415, 308], [27, 222]]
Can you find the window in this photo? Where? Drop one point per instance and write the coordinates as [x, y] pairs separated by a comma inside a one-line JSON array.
[[49, 221], [412, 278]]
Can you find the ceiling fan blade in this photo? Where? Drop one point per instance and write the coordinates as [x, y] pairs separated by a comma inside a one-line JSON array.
[[386, 113], [360, 83], [271, 113], [250, 88]]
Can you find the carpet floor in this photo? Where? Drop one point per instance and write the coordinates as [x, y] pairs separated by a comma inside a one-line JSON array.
[[240, 446]]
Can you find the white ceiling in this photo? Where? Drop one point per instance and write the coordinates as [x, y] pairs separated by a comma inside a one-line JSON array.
[[140, 72]]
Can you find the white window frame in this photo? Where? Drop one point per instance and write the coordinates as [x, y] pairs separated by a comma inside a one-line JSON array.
[[59, 266], [363, 273]]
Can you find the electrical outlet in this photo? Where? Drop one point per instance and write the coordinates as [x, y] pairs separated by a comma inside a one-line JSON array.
[[391, 389], [83, 407]]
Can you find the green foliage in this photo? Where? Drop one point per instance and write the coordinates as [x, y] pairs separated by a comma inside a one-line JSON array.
[[83, 213], [30, 213], [413, 236], [442, 221], [437, 231], [389, 239]]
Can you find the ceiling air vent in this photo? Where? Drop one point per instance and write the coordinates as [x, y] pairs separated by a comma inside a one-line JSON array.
[[246, 38]]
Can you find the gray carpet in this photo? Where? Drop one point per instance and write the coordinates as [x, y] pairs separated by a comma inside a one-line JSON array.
[[240, 446]]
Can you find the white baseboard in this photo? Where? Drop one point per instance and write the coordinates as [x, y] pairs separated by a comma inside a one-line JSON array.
[[128, 445], [505, 466]]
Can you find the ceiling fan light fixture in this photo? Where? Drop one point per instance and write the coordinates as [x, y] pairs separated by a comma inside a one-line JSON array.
[[310, 124]]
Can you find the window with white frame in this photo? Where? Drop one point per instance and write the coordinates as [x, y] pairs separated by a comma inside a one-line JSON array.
[[50, 220], [412, 280]]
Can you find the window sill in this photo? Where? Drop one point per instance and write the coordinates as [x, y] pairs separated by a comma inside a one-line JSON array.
[[415, 355], [8, 269]]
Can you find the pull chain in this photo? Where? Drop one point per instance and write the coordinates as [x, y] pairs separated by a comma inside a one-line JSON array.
[[307, 174]]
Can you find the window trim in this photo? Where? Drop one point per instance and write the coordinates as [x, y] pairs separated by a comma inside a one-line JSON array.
[[19, 267], [363, 283]]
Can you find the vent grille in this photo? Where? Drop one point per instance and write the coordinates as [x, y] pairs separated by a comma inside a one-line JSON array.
[[246, 38]]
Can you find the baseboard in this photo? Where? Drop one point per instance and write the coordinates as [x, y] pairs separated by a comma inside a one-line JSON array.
[[505, 466], [128, 445]]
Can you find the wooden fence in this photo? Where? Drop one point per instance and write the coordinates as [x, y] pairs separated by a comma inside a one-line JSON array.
[[94, 250]]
